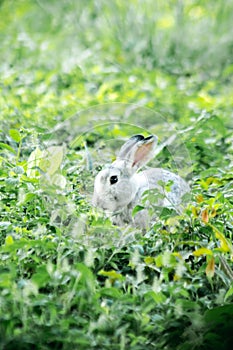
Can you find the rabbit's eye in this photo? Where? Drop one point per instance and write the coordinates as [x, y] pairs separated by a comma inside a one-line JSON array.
[[113, 179]]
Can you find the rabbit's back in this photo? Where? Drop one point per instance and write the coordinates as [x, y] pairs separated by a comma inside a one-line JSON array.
[[171, 185]]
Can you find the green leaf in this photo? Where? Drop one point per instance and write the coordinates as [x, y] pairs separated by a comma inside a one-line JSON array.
[[25, 198], [202, 251], [87, 276], [229, 293], [149, 260], [5, 280], [9, 148], [219, 314], [137, 209], [47, 161], [113, 275], [167, 259], [9, 240], [111, 292], [41, 277], [225, 244], [34, 162], [52, 159], [157, 297], [15, 135], [186, 304]]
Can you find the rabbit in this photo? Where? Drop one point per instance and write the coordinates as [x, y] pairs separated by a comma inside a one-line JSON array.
[[119, 187]]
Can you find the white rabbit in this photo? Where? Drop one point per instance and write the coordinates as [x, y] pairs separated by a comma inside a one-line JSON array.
[[118, 187]]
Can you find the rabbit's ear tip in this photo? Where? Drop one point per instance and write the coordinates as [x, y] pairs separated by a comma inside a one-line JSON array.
[[137, 137], [141, 137], [151, 137]]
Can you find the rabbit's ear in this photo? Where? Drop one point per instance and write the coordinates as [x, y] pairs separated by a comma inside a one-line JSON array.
[[144, 151], [127, 148], [138, 151]]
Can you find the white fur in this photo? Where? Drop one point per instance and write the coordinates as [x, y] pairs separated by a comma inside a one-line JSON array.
[[121, 197]]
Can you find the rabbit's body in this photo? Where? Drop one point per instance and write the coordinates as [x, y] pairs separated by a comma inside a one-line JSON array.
[[118, 188], [158, 178]]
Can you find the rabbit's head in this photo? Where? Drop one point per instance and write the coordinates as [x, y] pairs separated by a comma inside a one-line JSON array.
[[116, 186]]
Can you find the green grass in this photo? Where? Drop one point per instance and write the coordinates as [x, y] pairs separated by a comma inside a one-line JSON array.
[[68, 278]]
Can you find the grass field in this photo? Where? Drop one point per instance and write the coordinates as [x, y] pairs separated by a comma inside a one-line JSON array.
[[77, 78]]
